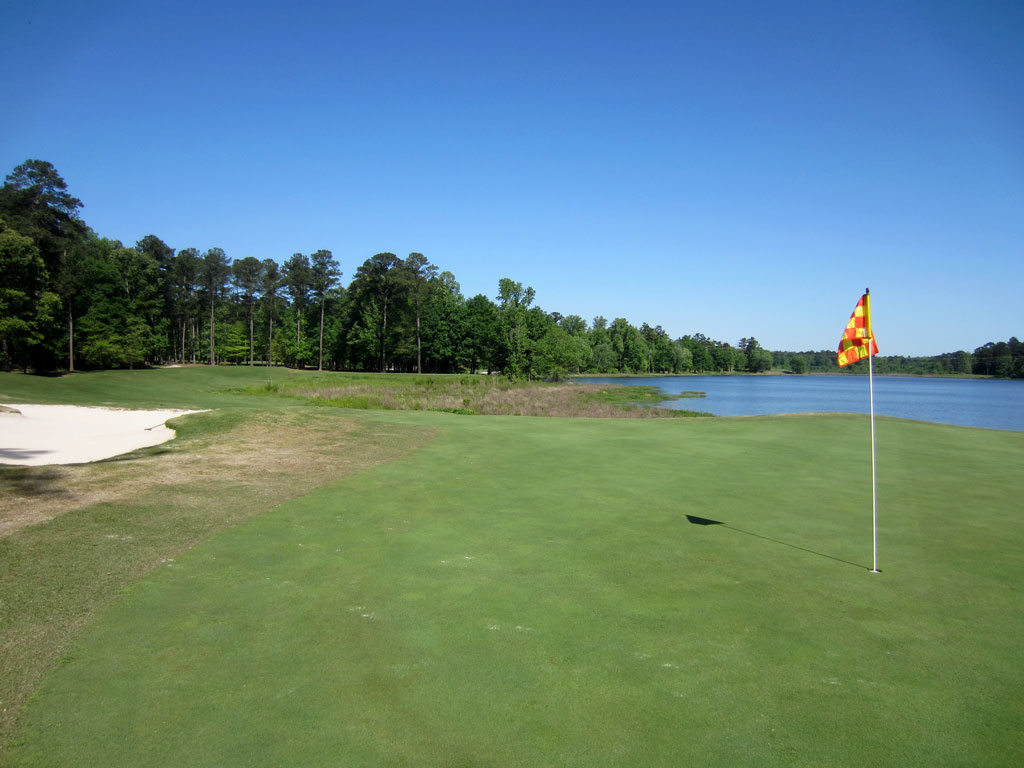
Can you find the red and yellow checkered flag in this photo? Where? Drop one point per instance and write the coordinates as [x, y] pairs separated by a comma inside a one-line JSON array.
[[858, 341]]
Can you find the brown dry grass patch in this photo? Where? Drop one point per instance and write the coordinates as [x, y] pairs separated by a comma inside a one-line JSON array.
[[491, 396], [560, 400], [273, 455]]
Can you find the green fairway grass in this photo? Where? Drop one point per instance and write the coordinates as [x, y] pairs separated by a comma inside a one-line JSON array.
[[193, 386], [532, 591]]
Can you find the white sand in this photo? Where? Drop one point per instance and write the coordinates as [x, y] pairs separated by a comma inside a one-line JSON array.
[[70, 434]]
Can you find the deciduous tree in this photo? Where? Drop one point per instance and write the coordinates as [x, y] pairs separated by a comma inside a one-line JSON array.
[[574, 325], [25, 304], [117, 329], [559, 353], [513, 302], [481, 332]]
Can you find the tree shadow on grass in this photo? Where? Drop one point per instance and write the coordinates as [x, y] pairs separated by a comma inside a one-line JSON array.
[[32, 481], [694, 520], [135, 455]]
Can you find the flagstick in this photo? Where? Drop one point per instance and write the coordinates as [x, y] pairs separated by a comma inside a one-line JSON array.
[[874, 484]]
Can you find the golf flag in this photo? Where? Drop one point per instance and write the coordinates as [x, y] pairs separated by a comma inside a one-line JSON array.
[[858, 341]]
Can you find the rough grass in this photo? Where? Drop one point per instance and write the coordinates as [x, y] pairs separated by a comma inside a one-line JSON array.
[[75, 536], [481, 395]]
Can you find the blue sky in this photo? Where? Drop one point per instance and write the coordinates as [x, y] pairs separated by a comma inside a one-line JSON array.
[[730, 168]]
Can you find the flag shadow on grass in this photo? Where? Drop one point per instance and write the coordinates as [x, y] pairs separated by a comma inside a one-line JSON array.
[[694, 520]]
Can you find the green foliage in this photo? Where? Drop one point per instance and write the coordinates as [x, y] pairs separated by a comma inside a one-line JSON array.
[[416, 273], [117, 330], [445, 320], [558, 354], [270, 284], [378, 285], [324, 275], [604, 358], [759, 361], [1004, 359], [215, 270], [513, 350], [290, 350], [482, 333], [396, 315], [26, 307], [996, 359], [232, 343], [34, 201], [246, 274]]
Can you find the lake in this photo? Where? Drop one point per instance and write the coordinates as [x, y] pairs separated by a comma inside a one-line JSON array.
[[990, 403]]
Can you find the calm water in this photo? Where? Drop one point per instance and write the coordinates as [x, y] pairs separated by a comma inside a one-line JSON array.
[[991, 403]]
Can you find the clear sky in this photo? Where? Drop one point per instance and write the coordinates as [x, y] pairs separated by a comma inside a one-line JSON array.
[[729, 168]]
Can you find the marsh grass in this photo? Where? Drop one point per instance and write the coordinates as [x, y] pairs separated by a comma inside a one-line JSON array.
[[481, 395]]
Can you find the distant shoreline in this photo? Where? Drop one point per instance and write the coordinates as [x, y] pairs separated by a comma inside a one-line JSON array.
[[782, 373]]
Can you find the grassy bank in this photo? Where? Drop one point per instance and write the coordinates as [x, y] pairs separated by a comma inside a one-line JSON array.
[[478, 395], [525, 591]]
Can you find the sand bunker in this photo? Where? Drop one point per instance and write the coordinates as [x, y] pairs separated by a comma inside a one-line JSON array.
[[32, 435]]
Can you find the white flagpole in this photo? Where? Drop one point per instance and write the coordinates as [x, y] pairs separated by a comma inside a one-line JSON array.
[[874, 483]]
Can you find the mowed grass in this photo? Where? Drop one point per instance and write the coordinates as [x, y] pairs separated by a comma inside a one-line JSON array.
[[189, 387], [527, 591]]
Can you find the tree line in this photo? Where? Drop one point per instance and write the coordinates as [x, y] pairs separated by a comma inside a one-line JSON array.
[[71, 299], [998, 359]]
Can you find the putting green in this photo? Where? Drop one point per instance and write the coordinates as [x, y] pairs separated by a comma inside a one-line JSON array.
[[531, 592]]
